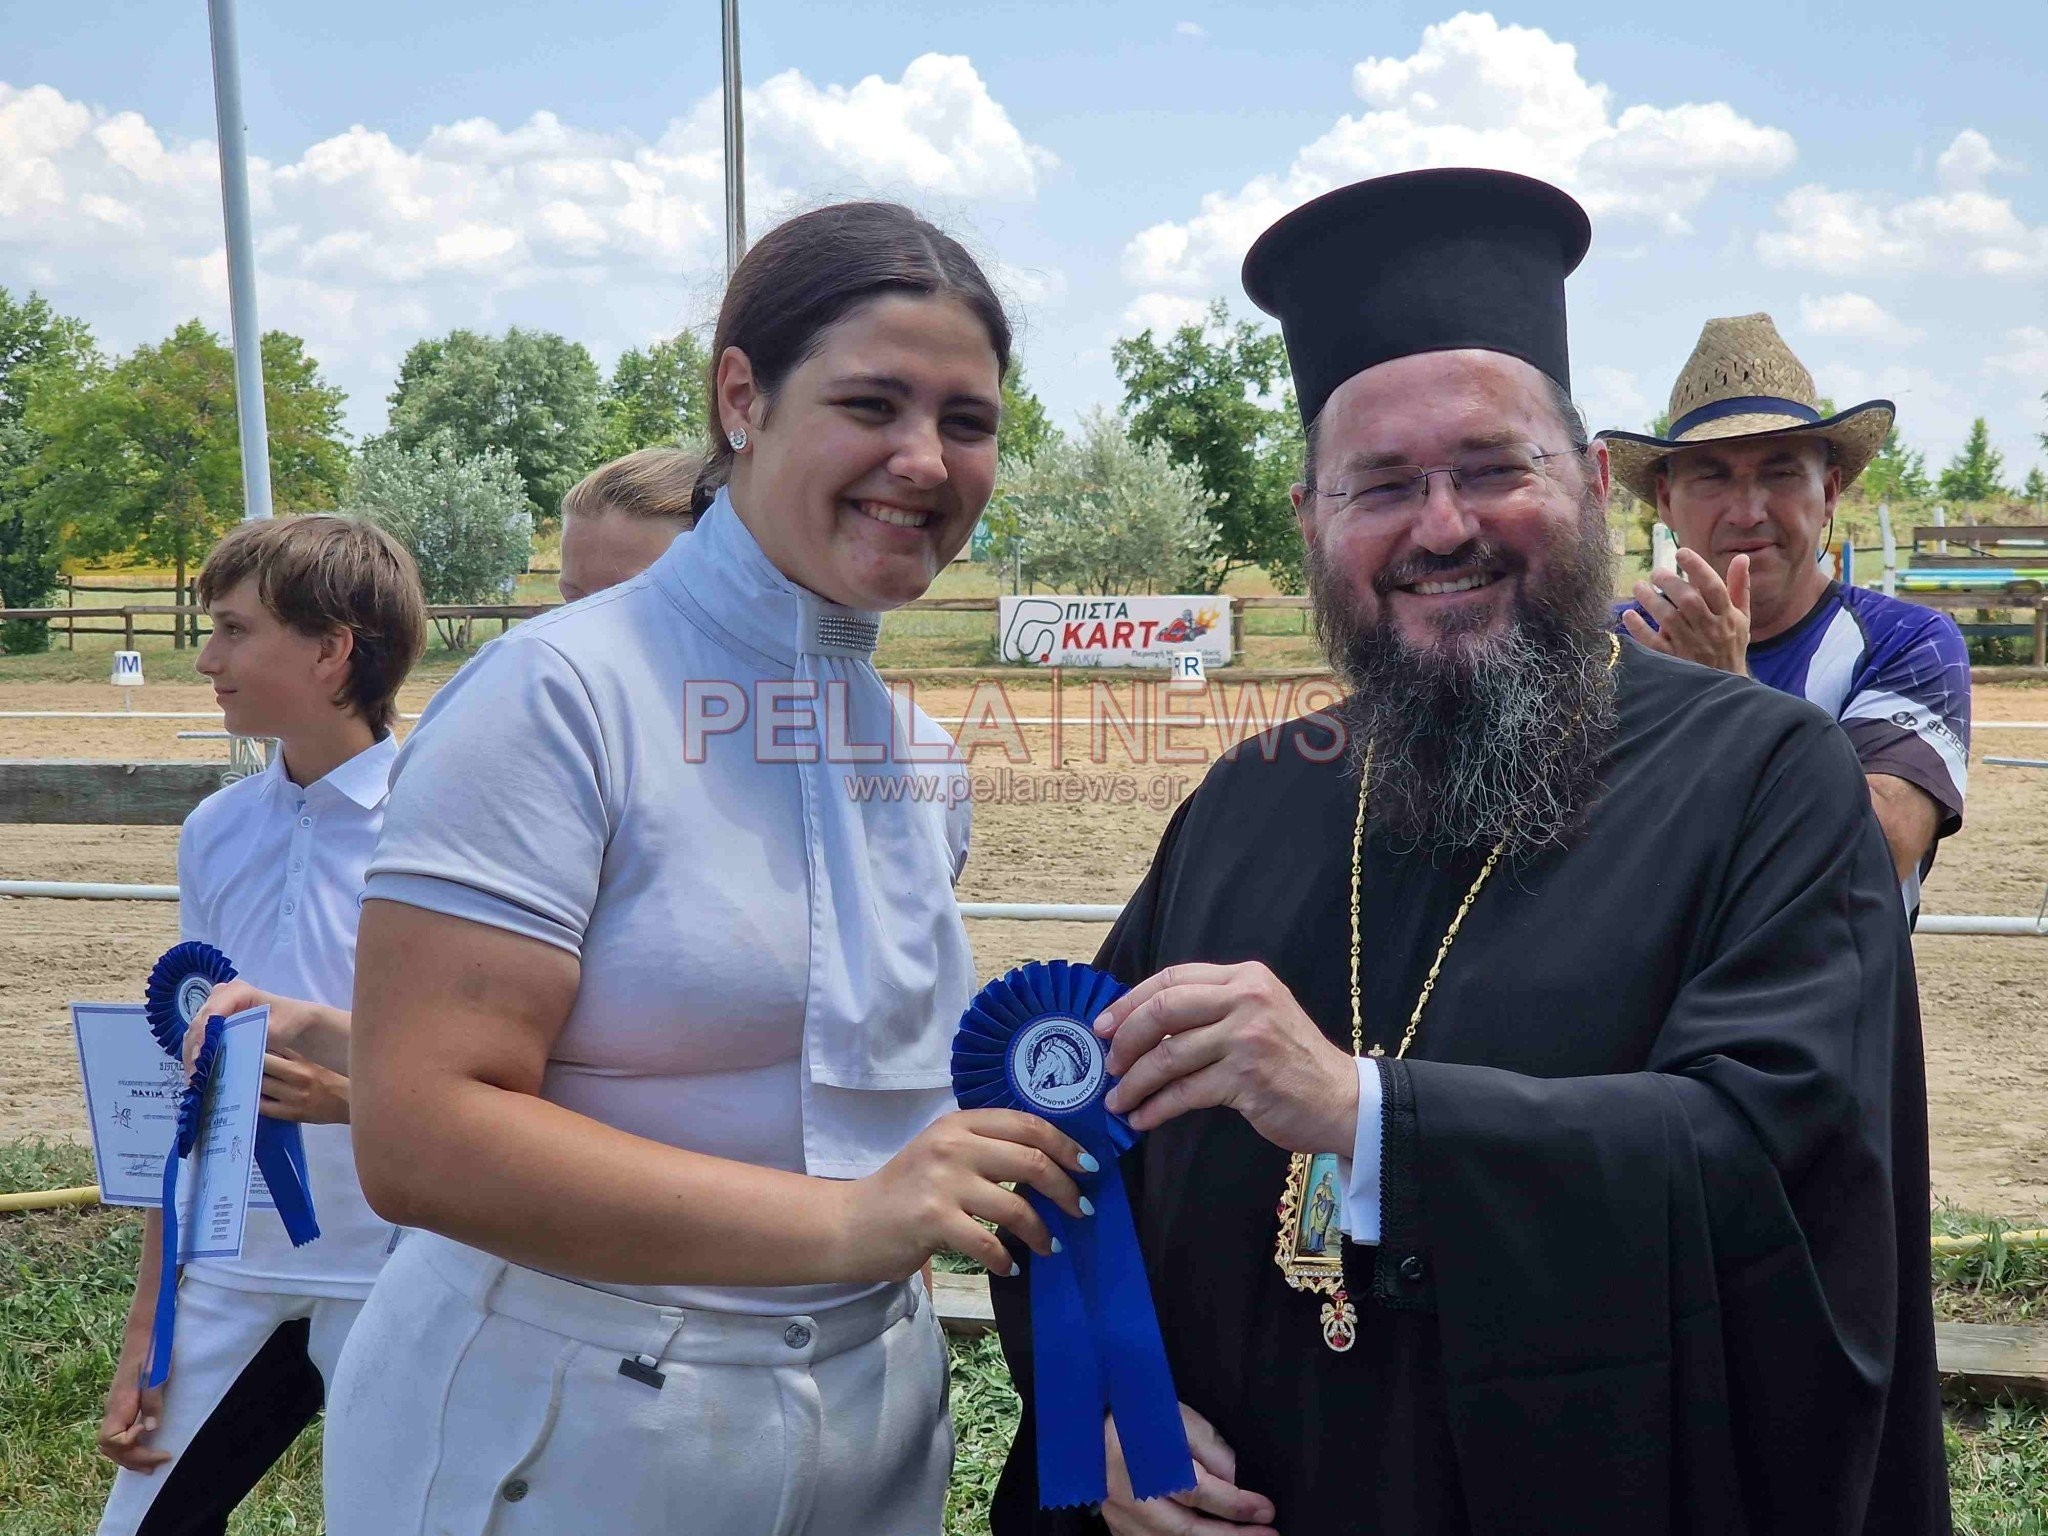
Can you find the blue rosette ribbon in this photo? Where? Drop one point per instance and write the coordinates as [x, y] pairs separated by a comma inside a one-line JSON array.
[[191, 1110], [1025, 1043], [178, 986]]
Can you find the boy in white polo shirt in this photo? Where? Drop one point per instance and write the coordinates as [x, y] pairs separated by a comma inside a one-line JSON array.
[[316, 622]]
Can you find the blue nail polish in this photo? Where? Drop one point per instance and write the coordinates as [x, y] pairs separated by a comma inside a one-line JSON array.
[[1087, 1206], [1058, 1246], [1088, 1163]]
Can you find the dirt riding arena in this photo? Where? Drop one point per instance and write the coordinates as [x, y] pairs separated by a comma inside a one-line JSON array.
[[1987, 1057]]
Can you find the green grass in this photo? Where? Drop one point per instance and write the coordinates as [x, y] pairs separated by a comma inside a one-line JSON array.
[[65, 1276]]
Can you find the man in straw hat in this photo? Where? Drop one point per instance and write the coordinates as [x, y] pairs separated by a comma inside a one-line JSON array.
[[1578, 971], [1747, 478]]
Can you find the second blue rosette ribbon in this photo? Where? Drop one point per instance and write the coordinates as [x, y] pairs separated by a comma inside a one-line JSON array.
[[1025, 1043], [177, 990]]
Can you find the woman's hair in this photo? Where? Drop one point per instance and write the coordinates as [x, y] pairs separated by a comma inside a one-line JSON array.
[[316, 571], [652, 482], [807, 275]]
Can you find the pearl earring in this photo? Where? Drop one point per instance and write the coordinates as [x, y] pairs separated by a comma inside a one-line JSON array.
[[737, 437]]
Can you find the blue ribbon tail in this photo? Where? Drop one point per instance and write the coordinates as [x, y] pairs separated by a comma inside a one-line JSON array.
[[281, 1154], [167, 1277], [1067, 1376], [1024, 1043], [1138, 1379]]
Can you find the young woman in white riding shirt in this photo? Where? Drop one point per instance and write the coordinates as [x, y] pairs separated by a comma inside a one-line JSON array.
[[654, 1013]]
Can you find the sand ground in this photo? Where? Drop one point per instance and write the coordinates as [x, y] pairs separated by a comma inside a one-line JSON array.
[[1987, 1055]]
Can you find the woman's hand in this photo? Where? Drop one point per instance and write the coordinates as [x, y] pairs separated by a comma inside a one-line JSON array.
[[937, 1191]]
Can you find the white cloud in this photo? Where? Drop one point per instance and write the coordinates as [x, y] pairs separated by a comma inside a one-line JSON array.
[[1968, 160], [1190, 29], [1028, 287], [1163, 313], [2027, 354], [1854, 315], [365, 243], [1612, 397], [1479, 93], [1963, 229], [937, 130]]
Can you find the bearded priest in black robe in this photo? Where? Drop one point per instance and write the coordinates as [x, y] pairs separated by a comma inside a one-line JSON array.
[[1527, 1049]]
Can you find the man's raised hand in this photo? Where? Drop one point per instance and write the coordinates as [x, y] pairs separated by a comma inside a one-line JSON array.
[[1203, 1036], [1700, 618]]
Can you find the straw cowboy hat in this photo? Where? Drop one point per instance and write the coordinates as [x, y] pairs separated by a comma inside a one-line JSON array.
[[1743, 381]]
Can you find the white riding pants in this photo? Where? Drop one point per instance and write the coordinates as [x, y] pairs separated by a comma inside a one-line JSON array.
[[478, 1396]]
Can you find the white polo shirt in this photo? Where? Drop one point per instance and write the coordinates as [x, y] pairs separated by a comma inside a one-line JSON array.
[[271, 875], [697, 783]]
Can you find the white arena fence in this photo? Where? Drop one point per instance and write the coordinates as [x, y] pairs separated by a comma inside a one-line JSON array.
[[1981, 925]]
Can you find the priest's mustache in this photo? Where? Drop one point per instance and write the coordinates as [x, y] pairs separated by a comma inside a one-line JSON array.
[[1475, 554]]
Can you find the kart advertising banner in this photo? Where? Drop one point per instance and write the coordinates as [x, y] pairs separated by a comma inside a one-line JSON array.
[[1114, 631]]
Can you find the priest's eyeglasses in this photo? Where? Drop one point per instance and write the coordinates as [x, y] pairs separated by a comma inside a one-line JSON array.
[[1492, 477]]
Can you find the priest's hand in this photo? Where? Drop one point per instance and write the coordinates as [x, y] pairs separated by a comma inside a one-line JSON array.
[[1204, 1036], [1700, 618], [1215, 1507]]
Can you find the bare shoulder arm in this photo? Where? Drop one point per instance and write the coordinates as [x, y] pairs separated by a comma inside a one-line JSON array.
[[452, 1028]]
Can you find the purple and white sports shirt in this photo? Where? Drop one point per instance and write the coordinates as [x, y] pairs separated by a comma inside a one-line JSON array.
[[1896, 677]]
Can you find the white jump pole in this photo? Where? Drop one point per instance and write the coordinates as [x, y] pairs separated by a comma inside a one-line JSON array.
[[1890, 584]]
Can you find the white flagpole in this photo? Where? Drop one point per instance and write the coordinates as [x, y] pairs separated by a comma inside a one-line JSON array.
[[234, 201]]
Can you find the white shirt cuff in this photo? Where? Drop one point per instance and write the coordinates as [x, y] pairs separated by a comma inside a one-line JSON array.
[[1360, 1172]]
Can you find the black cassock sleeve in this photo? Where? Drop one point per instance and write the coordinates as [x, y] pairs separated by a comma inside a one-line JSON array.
[[1128, 954], [1696, 1297]]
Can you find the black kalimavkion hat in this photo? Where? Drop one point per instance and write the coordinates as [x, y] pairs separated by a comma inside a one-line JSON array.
[[1426, 261]]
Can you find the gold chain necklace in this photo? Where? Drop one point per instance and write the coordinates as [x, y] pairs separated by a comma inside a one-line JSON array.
[[1442, 949], [1309, 1249]]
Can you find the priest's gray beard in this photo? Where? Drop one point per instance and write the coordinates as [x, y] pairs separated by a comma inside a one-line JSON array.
[[1481, 739]]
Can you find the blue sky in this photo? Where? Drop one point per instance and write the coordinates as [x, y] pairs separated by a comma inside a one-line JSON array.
[[1879, 184]]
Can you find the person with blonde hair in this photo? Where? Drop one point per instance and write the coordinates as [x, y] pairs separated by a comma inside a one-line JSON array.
[[622, 516]]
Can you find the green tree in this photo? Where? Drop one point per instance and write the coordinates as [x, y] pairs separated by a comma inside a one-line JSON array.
[[144, 458], [2036, 488], [1201, 396], [1973, 474], [464, 517], [33, 338], [1897, 473], [1104, 513], [655, 397], [1026, 427], [531, 394]]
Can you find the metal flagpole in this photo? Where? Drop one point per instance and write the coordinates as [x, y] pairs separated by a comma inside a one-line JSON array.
[[735, 147], [234, 201], [246, 755]]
